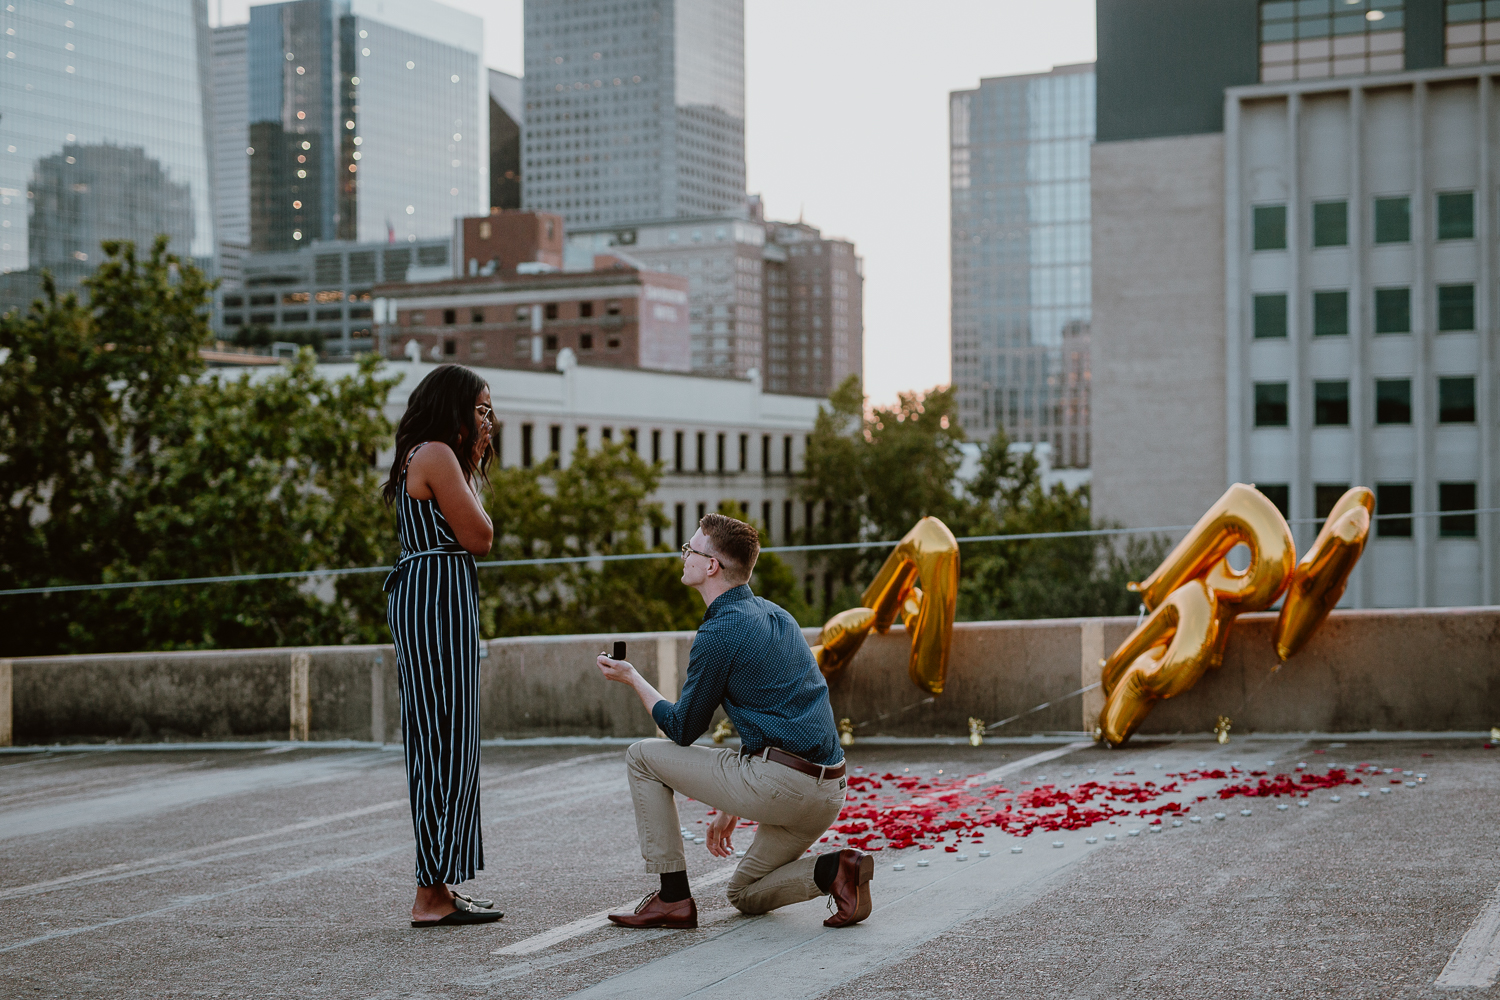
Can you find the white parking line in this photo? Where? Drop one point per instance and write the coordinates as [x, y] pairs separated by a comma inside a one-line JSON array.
[[1476, 960], [564, 932], [1004, 770]]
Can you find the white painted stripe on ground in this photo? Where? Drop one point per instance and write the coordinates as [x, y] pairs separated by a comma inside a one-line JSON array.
[[1476, 960], [1005, 770], [151, 865], [583, 925]]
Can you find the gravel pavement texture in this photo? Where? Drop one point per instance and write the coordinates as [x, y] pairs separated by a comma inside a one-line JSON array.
[[288, 872]]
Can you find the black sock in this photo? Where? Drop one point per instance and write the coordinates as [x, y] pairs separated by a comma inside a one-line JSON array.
[[674, 887], [826, 870]]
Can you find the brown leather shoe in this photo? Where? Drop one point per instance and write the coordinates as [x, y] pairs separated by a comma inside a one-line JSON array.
[[850, 891], [652, 912]]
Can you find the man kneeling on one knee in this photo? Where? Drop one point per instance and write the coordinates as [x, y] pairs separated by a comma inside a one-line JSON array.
[[750, 656]]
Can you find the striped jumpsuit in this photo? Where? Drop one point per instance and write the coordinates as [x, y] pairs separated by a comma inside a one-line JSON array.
[[433, 613]]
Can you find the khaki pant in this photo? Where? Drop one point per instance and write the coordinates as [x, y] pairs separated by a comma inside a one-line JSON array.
[[792, 808]]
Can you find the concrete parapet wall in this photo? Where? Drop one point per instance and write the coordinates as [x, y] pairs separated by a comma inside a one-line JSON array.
[[1419, 670]]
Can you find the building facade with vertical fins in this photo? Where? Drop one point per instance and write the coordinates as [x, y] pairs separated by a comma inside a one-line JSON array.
[[1296, 275]]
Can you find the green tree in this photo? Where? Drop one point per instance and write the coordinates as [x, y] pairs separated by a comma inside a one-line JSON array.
[[122, 459], [875, 473], [1045, 577], [598, 505]]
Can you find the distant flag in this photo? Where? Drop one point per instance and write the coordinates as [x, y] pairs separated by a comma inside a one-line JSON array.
[[390, 232]]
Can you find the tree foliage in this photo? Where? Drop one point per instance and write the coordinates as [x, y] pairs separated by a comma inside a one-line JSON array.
[[876, 471], [597, 505], [122, 459]]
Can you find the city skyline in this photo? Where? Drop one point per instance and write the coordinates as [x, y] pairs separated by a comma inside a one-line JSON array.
[[812, 158]]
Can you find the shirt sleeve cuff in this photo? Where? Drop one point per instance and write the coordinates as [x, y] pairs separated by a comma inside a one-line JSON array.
[[661, 714]]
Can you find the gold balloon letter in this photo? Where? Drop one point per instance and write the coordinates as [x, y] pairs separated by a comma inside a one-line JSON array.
[[927, 555], [1242, 516], [1163, 657], [1319, 579]]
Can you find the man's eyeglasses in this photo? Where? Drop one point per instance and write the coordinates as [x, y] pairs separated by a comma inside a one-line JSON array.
[[687, 549]]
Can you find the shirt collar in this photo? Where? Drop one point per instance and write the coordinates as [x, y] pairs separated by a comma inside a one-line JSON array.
[[731, 596]]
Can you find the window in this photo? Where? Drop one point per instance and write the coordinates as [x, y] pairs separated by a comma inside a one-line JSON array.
[[633, 439], [765, 453], [450, 316], [550, 310], [233, 301], [360, 312], [1330, 223], [550, 342], [1270, 316], [418, 318], [612, 307], [655, 446], [554, 439], [1270, 404], [324, 315], [1456, 400], [1316, 39], [1326, 497], [233, 319], [586, 341], [607, 433], [1393, 401], [1455, 215], [583, 439], [681, 515], [702, 510], [299, 316], [476, 347], [1330, 314], [476, 315], [522, 313], [744, 452], [266, 300], [1470, 36], [786, 523], [1269, 226], [677, 452], [1279, 494], [1455, 307], [1393, 220], [655, 536], [526, 446], [786, 454], [1393, 310], [719, 465], [1456, 496], [450, 347], [1331, 405], [765, 516], [1392, 498], [585, 309], [613, 343]]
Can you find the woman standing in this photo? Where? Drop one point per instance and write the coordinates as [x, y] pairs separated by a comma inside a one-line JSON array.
[[442, 453]]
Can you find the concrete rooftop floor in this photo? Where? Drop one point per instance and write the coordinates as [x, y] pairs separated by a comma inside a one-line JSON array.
[[287, 872]]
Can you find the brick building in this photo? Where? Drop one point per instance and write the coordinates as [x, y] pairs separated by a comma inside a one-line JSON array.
[[616, 316]]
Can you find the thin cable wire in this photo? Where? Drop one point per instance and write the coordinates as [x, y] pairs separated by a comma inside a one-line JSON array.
[[1045, 704], [308, 574]]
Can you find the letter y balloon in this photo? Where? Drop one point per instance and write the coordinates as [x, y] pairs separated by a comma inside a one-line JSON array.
[[1195, 595]]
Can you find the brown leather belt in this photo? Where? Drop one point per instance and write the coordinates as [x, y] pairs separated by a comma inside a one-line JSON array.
[[819, 771]]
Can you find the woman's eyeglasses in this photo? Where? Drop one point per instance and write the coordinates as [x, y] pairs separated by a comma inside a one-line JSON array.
[[687, 549], [486, 414]]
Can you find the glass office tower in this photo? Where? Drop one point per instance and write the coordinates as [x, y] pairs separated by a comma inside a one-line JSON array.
[[634, 111], [1019, 155], [368, 121], [102, 134]]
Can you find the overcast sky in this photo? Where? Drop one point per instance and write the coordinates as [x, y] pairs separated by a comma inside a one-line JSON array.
[[846, 108]]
